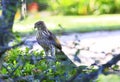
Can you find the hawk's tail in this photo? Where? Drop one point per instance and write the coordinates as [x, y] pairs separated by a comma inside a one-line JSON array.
[[61, 56]]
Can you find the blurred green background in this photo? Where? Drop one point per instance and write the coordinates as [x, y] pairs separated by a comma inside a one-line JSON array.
[[80, 7], [72, 16]]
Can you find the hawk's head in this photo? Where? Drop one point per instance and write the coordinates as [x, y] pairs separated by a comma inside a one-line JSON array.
[[40, 25]]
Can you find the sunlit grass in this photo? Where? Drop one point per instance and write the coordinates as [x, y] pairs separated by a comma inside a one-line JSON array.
[[71, 23], [109, 78], [86, 23]]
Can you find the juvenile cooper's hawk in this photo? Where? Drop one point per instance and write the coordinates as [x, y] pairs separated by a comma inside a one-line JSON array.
[[47, 39]]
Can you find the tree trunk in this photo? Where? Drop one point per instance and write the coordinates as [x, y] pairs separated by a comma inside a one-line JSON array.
[[23, 9], [9, 8]]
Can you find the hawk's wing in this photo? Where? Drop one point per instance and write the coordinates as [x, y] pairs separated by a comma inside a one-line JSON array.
[[54, 40]]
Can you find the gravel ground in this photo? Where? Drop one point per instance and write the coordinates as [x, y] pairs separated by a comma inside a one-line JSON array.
[[93, 47]]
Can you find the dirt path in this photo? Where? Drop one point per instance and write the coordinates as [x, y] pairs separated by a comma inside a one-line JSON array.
[[95, 47]]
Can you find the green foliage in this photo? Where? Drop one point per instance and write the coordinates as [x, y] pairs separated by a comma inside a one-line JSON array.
[[43, 4], [105, 6], [23, 63], [34, 65], [78, 7]]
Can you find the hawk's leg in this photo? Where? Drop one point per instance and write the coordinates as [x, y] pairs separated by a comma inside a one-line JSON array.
[[50, 60], [50, 54], [47, 53], [53, 51]]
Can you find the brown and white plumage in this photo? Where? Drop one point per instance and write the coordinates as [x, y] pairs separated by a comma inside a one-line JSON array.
[[47, 39]]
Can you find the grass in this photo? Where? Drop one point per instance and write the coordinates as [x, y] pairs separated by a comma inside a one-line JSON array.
[[71, 23], [109, 78]]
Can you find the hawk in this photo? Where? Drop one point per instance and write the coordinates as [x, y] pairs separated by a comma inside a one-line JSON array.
[[46, 39]]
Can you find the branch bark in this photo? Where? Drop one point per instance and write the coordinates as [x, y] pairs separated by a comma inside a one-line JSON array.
[[9, 8], [94, 75], [11, 47]]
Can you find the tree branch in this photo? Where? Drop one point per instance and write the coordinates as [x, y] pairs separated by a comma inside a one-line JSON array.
[[11, 47], [113, 61], [94, 75]]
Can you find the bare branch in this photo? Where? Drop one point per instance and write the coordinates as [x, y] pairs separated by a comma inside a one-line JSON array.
[[113, 61], [94, 75], [11, 47]]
